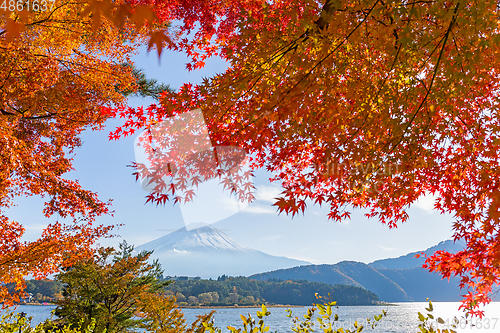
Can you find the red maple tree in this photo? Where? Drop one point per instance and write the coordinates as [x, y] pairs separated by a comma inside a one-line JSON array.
[[365, 103]]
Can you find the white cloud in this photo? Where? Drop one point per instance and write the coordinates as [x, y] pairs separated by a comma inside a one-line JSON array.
[[35, 227], [211, 204], [426, 202], [267, 193], [386, 248], [345, 222], [180, 251], [259, 210]]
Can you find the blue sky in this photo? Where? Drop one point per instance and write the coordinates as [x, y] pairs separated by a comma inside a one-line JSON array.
[[101, 166]]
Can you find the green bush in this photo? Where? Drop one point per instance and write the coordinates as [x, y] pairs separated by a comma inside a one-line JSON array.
[[17, 323]]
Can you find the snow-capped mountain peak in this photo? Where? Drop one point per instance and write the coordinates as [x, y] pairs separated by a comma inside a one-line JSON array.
[[203, 238], [209, 252]]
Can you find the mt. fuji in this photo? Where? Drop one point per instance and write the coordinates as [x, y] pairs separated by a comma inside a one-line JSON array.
[[208, 252]]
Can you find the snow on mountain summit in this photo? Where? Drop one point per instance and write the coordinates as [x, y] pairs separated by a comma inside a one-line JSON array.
[[203, 238], [208, 252]]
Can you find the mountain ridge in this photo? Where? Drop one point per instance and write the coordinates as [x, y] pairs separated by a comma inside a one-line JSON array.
[[209, 253], [405, 281], [409, 260]]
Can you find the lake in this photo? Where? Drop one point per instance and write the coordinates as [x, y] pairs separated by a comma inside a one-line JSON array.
[[402, 317]]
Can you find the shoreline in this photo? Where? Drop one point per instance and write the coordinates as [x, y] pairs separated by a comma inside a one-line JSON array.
[[239, 306], [235, 306], [270, 306], [228, 306]]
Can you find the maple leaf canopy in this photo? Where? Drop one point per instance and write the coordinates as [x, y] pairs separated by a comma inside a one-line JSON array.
[[366, 104], [56, 72]]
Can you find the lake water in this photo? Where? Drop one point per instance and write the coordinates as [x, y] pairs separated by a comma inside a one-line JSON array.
[[401, 318]]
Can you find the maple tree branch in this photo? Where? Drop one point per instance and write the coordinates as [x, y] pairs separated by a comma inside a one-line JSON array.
[[18, 257], [8, 75], [5, 113], [418, 2], [260, 77], [291, 46], [346, 38], [327, 8], [46, 19], [376, 95], [23, 112], [430, 54], [83, 66], [436, 69], [49, 115], [61, 26]]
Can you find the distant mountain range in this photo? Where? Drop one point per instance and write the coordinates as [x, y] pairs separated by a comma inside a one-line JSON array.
[[393, 280], [209, 253], [409, 260]]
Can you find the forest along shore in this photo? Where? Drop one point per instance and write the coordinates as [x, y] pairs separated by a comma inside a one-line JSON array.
[[243, 291], [228, 292]]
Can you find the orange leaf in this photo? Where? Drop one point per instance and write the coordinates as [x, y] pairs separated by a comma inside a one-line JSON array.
[[96, 8], [142, 13], [158, 38], [12, 29]]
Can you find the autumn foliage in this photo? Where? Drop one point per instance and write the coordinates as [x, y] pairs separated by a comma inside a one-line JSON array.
[[367, 104], [56, 72]]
